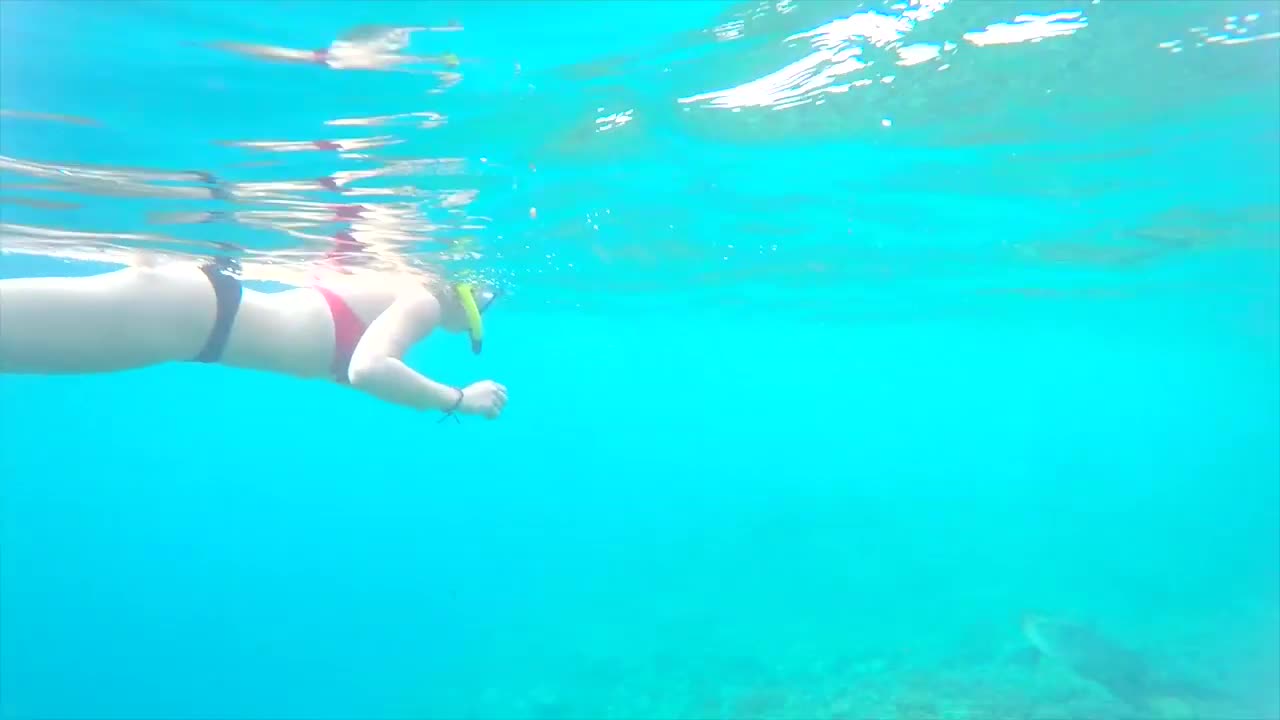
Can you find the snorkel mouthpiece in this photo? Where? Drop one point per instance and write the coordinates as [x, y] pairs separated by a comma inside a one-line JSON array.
[[474, 325]]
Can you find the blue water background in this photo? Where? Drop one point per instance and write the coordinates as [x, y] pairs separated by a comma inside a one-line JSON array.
[[693, 486]]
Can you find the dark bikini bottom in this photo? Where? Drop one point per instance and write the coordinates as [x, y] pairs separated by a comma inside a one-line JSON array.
[[228, 291]]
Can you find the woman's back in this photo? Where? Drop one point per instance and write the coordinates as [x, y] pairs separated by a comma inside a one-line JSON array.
[[148, 315], [294, 331]]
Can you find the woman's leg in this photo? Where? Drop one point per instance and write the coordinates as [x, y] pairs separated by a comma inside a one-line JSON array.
[[119, 320]]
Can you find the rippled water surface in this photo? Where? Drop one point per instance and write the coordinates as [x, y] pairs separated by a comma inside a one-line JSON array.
[[984, 148]]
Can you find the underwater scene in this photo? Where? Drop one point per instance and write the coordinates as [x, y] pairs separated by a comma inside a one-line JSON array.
[[875, 360]]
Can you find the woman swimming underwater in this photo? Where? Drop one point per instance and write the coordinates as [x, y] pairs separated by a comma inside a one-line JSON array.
[[352, 329]]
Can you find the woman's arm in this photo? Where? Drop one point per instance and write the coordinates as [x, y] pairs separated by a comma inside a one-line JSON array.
[[376, 365]]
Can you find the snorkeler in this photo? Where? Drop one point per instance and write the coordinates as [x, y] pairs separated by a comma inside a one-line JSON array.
[[350, 330]]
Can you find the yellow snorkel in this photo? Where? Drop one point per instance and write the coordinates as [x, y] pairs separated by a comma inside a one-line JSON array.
[[474, 324]]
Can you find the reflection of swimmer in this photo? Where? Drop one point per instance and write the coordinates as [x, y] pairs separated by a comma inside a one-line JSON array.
[[340, 145], [368, 47], [339, 182], [114, 181], [297, 214], [353, 330]]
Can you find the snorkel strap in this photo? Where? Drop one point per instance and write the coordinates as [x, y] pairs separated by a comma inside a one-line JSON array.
[[474, 324]]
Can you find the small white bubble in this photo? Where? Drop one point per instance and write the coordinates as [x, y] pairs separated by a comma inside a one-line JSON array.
[[1251, 17], [886, 122]]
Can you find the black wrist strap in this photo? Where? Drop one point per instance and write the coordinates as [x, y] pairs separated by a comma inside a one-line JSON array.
[[453, 411]]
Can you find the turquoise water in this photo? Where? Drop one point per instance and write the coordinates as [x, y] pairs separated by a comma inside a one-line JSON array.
[[818, 384]]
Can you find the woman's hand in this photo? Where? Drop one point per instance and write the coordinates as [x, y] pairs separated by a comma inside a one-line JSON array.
[[486, 398]]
